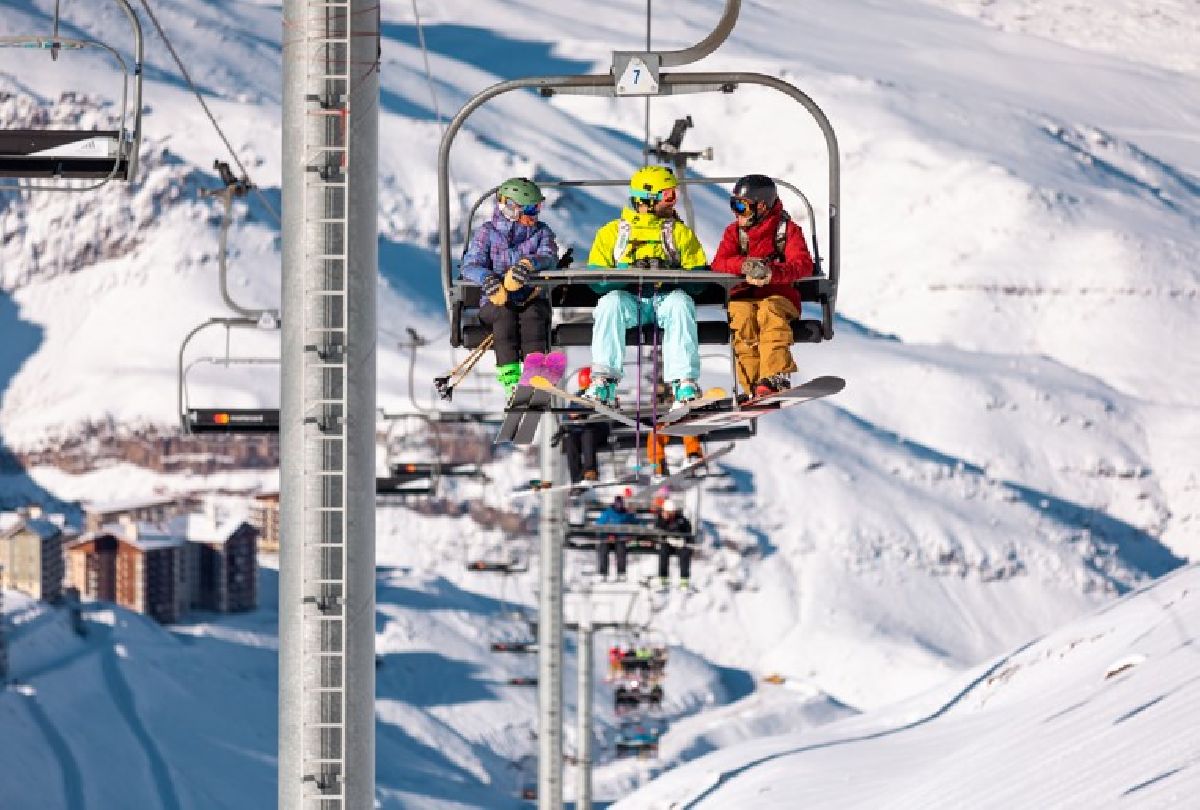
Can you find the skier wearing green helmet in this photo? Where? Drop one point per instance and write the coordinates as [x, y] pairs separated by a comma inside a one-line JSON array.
[[505, 253]]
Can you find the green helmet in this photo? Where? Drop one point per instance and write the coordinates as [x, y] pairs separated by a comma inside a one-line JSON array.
[[520, 190]]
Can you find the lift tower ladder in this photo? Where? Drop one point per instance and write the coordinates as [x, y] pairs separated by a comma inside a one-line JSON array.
[[327, 414], [326, 142]]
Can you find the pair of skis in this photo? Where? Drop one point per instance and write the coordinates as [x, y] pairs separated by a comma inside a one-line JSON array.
[[536, 487], [525, 409]]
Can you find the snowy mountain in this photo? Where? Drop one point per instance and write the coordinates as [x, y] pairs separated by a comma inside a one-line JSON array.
[[1096, 714], [1015, 447]]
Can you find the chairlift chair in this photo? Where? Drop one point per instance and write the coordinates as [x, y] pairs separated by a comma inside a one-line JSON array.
[[64, 154], [199, 420], [501, 558], [642, 74]]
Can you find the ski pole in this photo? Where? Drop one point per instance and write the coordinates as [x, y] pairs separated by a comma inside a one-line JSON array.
[[445, 387]]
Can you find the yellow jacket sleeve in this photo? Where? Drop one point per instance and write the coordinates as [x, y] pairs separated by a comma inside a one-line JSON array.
[[601, 254], [691, 252]]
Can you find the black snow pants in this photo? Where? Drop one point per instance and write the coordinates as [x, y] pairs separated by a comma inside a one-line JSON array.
[[519, 328]]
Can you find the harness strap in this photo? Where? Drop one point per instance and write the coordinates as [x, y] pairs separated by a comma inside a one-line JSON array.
[[625, 234], [780, 238]]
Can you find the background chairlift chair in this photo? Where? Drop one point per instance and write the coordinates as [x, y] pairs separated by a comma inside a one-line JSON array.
[[507, 556], [64, 154], [418, 453], [223, 420]]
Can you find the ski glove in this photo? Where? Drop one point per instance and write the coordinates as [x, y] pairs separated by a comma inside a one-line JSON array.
[[756, 271], [518, 275], [493, 289]]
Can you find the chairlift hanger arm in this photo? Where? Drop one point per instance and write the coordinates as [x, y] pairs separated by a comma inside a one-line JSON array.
[[128, 138], [229, 324]]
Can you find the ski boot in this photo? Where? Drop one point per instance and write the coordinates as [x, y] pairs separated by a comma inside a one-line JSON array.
[[509, 375], [602, 390], [686, 390], [772, 385]]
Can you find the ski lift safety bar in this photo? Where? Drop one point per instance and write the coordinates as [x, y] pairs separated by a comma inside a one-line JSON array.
[[126, 141], [670, 84], [469, 225]]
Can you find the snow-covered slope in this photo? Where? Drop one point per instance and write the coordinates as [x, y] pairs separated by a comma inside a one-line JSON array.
[[1097, 714], [1016, 444]]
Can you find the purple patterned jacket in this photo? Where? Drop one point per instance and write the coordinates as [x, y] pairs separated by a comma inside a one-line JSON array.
[[500, 243]]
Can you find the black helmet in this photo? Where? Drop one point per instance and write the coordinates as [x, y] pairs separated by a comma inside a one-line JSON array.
[[757, 187]]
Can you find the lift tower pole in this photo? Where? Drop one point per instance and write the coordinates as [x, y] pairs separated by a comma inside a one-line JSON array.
[[550, 628], [327, 425], [583, 745]]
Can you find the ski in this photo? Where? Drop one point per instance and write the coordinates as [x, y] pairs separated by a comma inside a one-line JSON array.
[[538, 487], [543, 384], [515, 413], [552, 367], [702, 423], [684, 472]]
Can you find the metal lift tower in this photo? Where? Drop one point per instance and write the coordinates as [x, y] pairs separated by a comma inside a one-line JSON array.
[[327, 422]]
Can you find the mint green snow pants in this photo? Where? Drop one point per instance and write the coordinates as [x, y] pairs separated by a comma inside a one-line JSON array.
[[673, 312]]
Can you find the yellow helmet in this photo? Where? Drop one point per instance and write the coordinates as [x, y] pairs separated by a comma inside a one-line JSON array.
[[649, 182]]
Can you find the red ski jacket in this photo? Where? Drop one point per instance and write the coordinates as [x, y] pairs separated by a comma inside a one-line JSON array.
[[797, 261]]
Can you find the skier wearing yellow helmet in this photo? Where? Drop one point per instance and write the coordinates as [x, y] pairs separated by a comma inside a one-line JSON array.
[[647, 234]]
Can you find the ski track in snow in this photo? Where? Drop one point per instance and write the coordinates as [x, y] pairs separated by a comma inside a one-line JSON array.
[[126, 704], [72, 776]]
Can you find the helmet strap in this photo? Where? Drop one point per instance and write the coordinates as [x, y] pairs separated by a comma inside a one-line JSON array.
[[510, 212]]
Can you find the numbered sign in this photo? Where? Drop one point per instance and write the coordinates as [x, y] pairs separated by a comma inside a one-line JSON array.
[[637, 78]]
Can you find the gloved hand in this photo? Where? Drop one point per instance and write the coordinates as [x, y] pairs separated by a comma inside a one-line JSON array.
[[493, 289], [756, 271], [518, 275]]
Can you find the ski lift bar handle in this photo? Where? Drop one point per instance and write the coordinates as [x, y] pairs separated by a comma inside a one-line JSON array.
[[630, 275], [710, 43]]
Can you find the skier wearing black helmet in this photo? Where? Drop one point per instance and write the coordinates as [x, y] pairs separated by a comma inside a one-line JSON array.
[[768, 249]]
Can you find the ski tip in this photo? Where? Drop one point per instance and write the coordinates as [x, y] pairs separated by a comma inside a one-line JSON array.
[[716, 393], [538, 381]]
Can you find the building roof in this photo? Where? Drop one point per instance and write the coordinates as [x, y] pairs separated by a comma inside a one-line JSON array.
[[10, 521], [48, 527], [220, 521], [108, 507], [145, 535]]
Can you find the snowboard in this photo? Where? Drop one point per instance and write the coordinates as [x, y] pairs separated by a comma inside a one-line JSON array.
[[700, 423]]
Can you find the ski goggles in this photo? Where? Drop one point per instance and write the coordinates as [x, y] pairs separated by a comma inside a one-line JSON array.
[[517, 208], [741, 205], [667, 195]]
